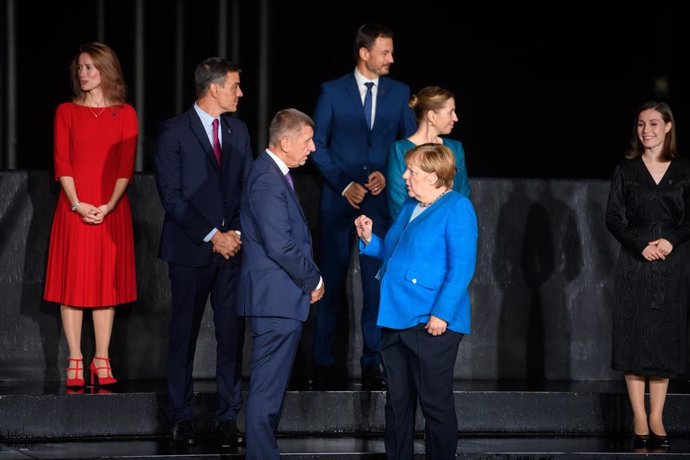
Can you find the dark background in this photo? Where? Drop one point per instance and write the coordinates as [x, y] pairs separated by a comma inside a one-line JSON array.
[[547, 91]]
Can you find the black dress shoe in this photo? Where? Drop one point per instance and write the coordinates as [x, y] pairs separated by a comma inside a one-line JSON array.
[[230, 435], [183, 431], [640, 441], [659, 441], [322, 378], [372, 378]]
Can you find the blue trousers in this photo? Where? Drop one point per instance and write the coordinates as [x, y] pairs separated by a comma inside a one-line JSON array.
[[337, 237], [191, 287]]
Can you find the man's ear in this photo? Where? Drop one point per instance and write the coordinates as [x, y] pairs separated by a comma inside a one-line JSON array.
[[285, 144]]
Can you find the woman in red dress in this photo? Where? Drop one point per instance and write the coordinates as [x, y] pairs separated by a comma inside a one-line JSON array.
[[91, 256]]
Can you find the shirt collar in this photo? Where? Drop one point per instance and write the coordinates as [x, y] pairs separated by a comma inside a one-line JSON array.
[[361, 80], [281, 164], [206, 119]]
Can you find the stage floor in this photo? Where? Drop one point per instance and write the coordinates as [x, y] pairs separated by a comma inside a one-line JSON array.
[[347, 444], [485, 447]]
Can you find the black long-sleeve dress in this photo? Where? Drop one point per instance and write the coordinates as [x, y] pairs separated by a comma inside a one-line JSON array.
[[651, 297]]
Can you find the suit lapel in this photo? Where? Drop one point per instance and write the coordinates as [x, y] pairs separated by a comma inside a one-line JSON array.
[[200, 133], [227, 158], [355, 98], [381, 92], [286, 184]]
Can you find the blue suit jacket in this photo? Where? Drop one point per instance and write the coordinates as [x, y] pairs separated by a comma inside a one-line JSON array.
[[428, 264], [346, 149], [278, 272], [196, 194]]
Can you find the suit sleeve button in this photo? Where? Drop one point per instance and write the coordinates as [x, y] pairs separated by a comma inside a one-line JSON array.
[[414, 280]]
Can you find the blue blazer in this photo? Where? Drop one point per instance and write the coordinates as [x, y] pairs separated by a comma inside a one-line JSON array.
[[278, 272], [196, 194], [346, 149], [427, 264]]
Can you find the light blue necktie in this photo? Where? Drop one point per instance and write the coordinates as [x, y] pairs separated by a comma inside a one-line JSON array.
[[367, 103]]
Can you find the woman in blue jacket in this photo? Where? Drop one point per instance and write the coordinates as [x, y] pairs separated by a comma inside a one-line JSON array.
[[428, 257]]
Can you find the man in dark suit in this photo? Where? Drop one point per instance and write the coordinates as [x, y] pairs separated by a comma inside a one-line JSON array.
[[279, 277], [202, 158], [354, 130]]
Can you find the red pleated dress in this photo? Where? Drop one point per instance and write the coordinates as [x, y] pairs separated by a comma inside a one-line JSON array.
[[93, 265]]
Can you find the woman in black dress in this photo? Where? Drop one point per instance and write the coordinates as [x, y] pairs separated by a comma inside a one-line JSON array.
[[648, 212]]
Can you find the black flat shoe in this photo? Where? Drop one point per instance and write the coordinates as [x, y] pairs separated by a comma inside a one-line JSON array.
[[183, 432], [230, 435], [660, 441], [641, 441]]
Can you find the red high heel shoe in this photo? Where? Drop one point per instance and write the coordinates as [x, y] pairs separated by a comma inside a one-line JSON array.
[[76, 381], [107, 380]]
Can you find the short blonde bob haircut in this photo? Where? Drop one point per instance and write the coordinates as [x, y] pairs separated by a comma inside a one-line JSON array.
[[434, 158]]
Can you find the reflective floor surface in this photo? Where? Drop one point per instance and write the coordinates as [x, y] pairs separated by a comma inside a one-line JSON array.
[[341, 447]]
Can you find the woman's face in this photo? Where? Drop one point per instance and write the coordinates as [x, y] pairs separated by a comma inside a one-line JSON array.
[[446, 117], [651, 128], [420, 184], [89, 75]]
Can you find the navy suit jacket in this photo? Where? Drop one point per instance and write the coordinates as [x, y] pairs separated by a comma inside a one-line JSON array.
[[278, 272], [195, 192], [346, 149]]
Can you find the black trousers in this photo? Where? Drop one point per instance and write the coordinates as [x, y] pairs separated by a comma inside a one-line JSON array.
[[419, 365]]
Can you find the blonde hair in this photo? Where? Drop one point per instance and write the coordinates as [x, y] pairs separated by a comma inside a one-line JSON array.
[[435, 158], [431, 98]]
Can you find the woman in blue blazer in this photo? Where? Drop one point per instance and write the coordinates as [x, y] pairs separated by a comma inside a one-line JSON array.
[[428, 257]]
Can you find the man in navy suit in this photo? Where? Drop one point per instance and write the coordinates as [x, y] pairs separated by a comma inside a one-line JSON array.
[[202, 158], [351, 150], [279, 277]]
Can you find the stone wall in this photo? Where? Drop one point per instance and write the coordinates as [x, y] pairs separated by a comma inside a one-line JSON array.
[[540, 295]]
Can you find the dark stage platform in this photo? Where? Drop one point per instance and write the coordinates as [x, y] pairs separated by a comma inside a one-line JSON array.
[[541, 299], [497, 420]]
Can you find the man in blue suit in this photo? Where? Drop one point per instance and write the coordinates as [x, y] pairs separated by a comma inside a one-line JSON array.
[[279, 277], [354, 130], [202, 158]]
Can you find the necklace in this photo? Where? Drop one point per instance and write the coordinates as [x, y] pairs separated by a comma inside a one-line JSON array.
[[426, 205], [95, 115]]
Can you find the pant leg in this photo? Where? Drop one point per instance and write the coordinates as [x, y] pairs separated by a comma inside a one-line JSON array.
[[371, 296], [229, 332], [434, 362], [189, 293], [274, 346], [401, 397], [336, 244]]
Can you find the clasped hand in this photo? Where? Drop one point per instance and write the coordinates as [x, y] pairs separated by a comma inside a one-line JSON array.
[[91, 214], [227, 244], [657, 249], [355, 194]]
